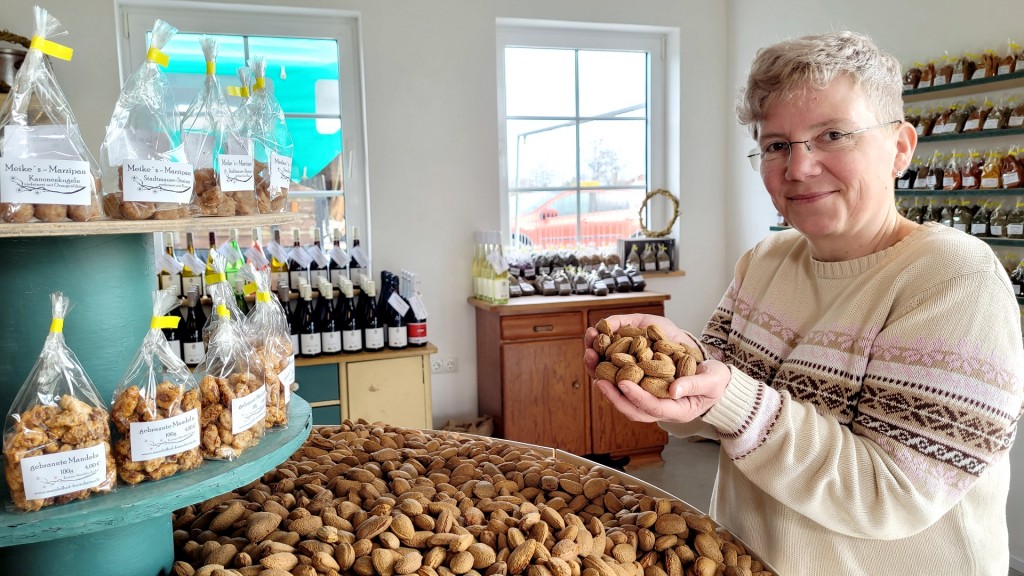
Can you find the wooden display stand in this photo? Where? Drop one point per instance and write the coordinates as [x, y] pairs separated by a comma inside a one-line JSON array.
[[531, 378]]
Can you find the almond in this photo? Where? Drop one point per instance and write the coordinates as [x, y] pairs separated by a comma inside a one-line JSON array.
[[345, 556], [670, 524], [409, 563], [658, 368], [687, 366], [226, 518], [657, 387], [260, 525], [668, 348], [601, 343], [282, 561], [619, 346], [323, 562], [483, 555], [621, 359], [606, 371], [603, 327], [705, 566], [630, 331], [520, 558], [306, 526], [655, 333], [372, 526], [639, 343], [595, 487], [645, 354], [706, 545], [631, 372], [402, 526], [695, 352]]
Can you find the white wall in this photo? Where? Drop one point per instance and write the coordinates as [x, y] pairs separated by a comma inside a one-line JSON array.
[[914, 30]]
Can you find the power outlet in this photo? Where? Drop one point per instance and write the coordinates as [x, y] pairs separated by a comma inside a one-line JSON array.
[[444, 364]]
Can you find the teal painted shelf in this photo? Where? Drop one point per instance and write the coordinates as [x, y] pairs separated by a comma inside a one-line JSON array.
[[971, 135], [128, 531]]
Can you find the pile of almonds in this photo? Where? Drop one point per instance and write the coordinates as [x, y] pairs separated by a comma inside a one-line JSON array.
[[369, 499], [644, 356]]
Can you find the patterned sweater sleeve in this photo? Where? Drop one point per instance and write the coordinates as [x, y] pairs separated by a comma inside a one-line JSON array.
[[939, 402]]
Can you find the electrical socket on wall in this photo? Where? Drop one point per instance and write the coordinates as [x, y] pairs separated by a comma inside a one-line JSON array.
[[444, 364]]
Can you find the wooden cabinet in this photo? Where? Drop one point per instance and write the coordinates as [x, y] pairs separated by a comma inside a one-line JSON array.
[[391, 386], [531, 378]]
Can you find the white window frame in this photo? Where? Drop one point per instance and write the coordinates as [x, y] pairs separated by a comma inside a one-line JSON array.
[[516, 32], [136, 17]]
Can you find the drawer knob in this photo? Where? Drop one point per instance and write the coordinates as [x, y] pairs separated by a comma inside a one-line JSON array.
[[576, 385], [544, 328]]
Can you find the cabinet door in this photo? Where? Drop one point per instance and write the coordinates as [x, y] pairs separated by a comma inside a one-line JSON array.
[[392, 391], [544, 394], [613, 432]]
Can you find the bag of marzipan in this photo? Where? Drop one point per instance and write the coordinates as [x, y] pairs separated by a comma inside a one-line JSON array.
[[233, 398], [271, 140], [222, 159], [146, 174], [56, 437], [46, 171], [155, 406], [267, 330]]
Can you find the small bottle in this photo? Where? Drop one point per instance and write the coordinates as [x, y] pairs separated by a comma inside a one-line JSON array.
[[209, 258], [351, 327], [234, 260], [309, 334], [373, 328], [239, 290], [397, 308], [338, 264], [278, 266], [173, 335], [416, 317], [170, 267], [354, 269], [284, 297], [193, 348], [298, 263], [191, 275], [330, 328]]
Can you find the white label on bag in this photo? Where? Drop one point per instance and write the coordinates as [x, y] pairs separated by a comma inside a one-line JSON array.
[[46, 182], [198, 147], [398, 303], [920, 129], [1014, 230], [996, 230], [158, 181], [1004, 69], [977, 229], [193, 352], [991, 124], [1016, 121], [972, 124], [902, 184], [1010, 178], [164, 437], [990, 183], [979, 73], [46, 141], [957, 77], [248, 410], [287, 375], [63, 472], [947, 182], [129, 144], [280, 171], [236, 172], [969, 181]]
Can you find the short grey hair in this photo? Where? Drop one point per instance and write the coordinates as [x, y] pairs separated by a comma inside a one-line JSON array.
[[783, 70]]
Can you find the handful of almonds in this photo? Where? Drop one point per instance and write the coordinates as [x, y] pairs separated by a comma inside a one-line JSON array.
[[644, 356]]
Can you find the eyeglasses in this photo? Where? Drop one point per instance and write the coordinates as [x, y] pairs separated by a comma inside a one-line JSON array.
[[828, 142]]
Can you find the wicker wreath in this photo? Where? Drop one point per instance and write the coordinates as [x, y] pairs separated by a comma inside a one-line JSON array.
[[675, 214]]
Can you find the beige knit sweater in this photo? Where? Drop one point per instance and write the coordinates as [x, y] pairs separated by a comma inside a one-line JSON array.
[[867, 426]]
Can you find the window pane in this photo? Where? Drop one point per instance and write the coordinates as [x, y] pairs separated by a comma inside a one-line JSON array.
[[540, 82], [318, 146], [186, 67], [613, 83], [541, 153], [304, 61], [610, 215], [544, 218], [614, 152]]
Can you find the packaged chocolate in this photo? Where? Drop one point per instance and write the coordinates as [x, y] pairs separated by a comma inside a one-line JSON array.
[[266, 328], [265, 126], [1011, 170], [155, 406], [221, 157], [970, 170], [47, 173], [944, 71], [912, 77], [991, 171], [980, 221], [146, 173], [927, 75], [963, 68], [1008, 63], [951, 178], [56, 437]]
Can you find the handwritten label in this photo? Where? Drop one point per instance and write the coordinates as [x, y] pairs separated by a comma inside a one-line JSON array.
[[158, 181], [248, 410], [63, 472], [280, 171], [46, 182], [236, 172], [164, 437]]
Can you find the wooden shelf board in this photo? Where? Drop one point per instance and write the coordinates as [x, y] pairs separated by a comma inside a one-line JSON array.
[[904, 193], [100, 227], [361, 356], [998, 82], [971, 135], [533, 304], [130, 504]]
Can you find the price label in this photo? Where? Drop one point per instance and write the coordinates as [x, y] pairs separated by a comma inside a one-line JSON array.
[[398, 303], [315, 253], [248, 410], [255, 255], [361, 257], [63, 472], [301, 256], [277, 251], [339, 256], [236, 172], [419, 308], [46, 182], [164, 437], [280, 171], [158, 181]]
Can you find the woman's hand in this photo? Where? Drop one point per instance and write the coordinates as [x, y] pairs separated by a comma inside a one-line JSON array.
[[690, 396]]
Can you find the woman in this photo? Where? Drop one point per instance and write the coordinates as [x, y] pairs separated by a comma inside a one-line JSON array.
[[863, 371]]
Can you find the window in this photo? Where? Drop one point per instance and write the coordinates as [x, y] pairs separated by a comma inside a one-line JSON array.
[[312, 69], [577, 108]]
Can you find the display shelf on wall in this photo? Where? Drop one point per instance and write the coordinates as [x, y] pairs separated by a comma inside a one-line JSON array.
[[41, 229], [128, 531], [974, 192], [971, 135], [991, 241], [967, 88]]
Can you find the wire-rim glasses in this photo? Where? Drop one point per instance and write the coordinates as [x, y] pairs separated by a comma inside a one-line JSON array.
[[829, 141]]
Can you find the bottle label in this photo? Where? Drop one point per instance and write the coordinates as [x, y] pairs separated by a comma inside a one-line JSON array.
[[236, 172], [193, 352], [417, 333], [293, 278], [398, 304], [164, 437], [374, 338], [62, 472], [330, 342], [398, 337], [352, 340], [315, 276], [158, 181], [276, 278], [187, 282], [309, 344], [334, 274], [248, 410], [172, 281]]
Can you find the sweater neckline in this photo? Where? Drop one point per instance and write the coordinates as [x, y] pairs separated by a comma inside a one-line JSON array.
[[850, 268]]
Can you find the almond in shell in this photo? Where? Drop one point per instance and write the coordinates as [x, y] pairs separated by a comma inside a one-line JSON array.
[[607, 371], [631, 372], [655, 386], [665, 370], [619, 346], [687, 366], [602, 342], [621, 359]]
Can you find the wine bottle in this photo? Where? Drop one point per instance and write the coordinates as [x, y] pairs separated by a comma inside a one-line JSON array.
[[338, 264], [284, 296], [193, 347], [354, 269], [398, 331], [192, 270], [170, 267], [318, 262], [239, 290], [373, 328], [416, 317], [330, 328], [298, 263], [209, 258], [278, 261], [351, 327], [254, 254], [173, 335], [234, 260], [309, 335], [383, 305]]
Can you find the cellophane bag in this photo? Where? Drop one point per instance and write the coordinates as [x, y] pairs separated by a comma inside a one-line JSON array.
[[220, 290], [46, 171], [233, 398], [271, 140], [221, 157], [56, 437], [146, 174], [155, 407], [267, 330]]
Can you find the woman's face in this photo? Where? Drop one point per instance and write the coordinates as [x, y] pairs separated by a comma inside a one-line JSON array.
[[840, 194]]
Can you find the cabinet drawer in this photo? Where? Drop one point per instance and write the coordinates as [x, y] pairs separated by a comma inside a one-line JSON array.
[[535, 326]]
